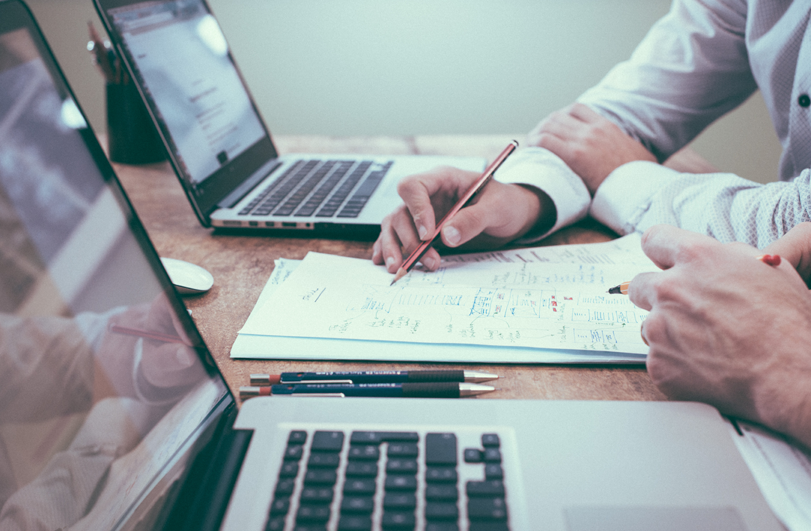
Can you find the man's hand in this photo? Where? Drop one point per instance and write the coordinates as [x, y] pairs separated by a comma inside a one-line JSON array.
[[726, 329], [501, 213], [591, 145]]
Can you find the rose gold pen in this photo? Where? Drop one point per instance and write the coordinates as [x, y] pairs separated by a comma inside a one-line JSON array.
[[471, 193]]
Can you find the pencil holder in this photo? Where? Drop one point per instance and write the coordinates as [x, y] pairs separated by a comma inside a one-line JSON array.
[[131, 134]]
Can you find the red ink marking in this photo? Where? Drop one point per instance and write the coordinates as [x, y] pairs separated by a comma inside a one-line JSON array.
[[770, 259]]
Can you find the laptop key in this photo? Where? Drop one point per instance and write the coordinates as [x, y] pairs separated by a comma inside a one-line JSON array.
[[320, 477], [312, 513], [398, 520], [440, 449], [357, 504], [493, 471], [275, 524], [316, 495], [491, 440], [360, 486], [401, 466], [487, 509], [441, 474], [327, 441], [441, 492], [361, 469], [285, 487], [377, 437], [488, 526], [289, 469], [354, 523], [441, 511], [324, 460], [473, 455], [293, 453], [399, 501], [280, 506], [402, 450], [492, 455], [297, 437], [485, 488], [366, 452], [401, 482], [441, 526]]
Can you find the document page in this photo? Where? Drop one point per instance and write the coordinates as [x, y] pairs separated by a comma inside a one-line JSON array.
[[473, 300]]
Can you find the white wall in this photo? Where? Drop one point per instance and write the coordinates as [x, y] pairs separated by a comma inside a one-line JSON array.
[[400, 67]]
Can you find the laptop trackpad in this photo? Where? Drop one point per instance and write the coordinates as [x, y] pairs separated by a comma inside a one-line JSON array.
[[649, 518]]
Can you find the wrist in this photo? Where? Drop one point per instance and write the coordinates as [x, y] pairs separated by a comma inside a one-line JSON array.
[[784, 402], [541, 211]]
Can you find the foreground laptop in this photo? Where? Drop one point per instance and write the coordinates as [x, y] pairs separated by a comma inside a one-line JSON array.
[[221, 149], [113, 414]]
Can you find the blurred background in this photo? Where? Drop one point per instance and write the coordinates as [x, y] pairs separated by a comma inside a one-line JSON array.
[[412, 67]]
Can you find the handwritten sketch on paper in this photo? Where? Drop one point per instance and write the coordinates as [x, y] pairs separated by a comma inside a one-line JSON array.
[[525, 304]]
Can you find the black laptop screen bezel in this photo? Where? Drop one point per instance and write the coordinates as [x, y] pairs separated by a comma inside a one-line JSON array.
[[208, 193]]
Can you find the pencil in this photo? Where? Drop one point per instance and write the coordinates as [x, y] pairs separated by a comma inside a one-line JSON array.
[[471, 193], [768, 259], [621, 289]]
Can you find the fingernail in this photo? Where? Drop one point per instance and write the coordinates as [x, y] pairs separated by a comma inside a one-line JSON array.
[[452, 235], [390, 261], [423, 231], [429, 262]]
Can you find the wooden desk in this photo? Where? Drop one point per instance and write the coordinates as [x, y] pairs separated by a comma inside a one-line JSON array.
[[241, 266]]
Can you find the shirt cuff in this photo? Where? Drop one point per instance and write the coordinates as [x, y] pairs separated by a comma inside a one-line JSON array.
[[540, 168], [625, 195]]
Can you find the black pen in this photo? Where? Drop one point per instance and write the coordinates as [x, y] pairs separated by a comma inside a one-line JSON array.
[[383, 390], [374, 377]]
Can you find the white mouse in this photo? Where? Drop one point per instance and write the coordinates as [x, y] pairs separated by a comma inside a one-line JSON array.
[[189, 279]]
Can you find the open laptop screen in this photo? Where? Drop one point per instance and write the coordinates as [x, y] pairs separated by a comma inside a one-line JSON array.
[[104, 382], [202, 101], [182, 63]]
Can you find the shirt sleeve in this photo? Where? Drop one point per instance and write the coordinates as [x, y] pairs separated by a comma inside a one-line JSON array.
[[539, 168], [639, 195], [691, 68]]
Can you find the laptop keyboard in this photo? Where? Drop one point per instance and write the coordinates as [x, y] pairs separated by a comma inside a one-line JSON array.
[[319, 188], [388, 480]]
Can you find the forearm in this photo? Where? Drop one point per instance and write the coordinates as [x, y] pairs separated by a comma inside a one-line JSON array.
[[691, 68], [639, 195]]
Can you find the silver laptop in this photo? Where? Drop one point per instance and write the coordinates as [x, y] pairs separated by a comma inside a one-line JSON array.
[[219, 145], [113, 414]]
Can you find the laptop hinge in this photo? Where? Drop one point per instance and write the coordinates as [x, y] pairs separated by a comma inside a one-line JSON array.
[[246, 187]]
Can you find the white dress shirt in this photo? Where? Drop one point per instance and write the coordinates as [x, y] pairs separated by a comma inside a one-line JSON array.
[[703, 59]]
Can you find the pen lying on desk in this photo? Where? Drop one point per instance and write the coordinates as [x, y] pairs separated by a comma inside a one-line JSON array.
[[381, 390], [349, 377]]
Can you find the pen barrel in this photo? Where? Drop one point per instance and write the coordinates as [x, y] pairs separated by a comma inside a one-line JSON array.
[[431, 390], [389, 390], [435, 376]]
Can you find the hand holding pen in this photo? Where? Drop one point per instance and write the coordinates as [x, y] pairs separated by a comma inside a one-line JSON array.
[[466, 199], [499, 214]]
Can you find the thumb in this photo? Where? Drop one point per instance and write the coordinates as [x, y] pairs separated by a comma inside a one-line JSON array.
[[465, 225], [795, 247]]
